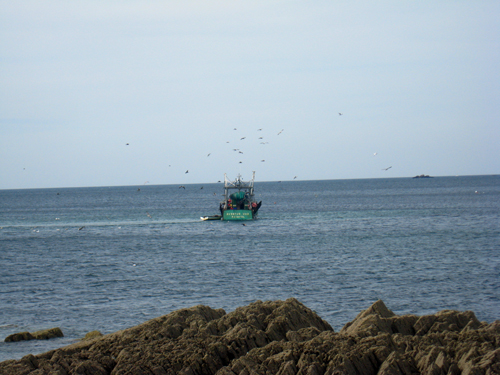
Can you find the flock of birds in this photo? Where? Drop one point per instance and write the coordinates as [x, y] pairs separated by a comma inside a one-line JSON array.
[[261, 139], [239, 151], [262, 142]]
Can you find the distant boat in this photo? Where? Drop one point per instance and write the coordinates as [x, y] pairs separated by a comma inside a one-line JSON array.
[[423, 176], [239, 202]]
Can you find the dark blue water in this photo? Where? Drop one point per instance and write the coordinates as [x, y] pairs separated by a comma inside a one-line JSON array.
[[109, 258]]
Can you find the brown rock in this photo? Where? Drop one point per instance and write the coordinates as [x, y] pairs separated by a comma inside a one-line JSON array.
[[21, 336], [398, 364], [92, 335], [90, 368], [38, 335], [304, 334], [281, 337], [48, 334], [370, 321]]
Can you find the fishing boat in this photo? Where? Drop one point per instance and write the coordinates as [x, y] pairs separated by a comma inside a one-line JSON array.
[[239, 201]]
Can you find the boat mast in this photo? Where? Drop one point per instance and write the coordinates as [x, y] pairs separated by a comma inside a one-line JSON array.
[[238, 184]]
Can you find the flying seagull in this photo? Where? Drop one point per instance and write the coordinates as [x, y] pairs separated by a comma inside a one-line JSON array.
[[375, 153], [386, 169], [281, 131], [242, 138], [340, 114], [186, 171], [209, 155]]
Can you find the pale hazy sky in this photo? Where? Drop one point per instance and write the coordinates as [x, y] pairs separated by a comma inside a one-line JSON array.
[[418, 83]]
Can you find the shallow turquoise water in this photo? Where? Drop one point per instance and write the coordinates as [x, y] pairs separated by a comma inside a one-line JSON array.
[[112, 257]]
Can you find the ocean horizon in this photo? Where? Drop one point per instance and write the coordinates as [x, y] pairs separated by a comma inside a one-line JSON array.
[[257, 181]]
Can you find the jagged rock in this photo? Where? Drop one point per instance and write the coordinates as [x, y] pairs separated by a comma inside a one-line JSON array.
[[21, 336], [281, 337], [304, 334], [398, 364], [38, 335], [378, 318], [92, 335], [370, 321], [48, 334]]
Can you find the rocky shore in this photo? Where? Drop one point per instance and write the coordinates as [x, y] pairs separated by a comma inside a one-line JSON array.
[[281, 337]]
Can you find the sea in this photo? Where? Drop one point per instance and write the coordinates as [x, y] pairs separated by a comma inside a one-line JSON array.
[[109, 258]]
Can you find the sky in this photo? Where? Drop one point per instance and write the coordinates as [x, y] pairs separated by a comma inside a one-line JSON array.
[[110, 93]]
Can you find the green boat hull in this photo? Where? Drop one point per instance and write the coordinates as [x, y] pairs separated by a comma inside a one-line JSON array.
[[238, 215]]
